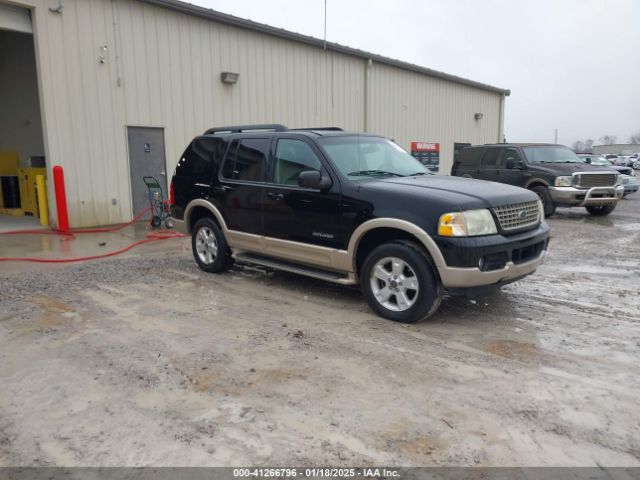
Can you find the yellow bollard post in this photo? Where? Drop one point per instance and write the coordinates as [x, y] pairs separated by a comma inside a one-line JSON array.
[[43, 208]]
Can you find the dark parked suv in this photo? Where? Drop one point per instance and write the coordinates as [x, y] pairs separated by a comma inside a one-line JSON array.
[[352, 209], [554, 172]]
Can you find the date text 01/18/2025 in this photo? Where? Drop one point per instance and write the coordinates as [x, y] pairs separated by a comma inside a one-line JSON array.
[[315, 472]]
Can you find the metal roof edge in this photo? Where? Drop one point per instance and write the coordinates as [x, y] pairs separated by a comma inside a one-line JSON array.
[[227, 19]]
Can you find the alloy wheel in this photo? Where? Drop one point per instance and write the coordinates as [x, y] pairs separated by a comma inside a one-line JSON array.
[[394, 284], [206, 245]]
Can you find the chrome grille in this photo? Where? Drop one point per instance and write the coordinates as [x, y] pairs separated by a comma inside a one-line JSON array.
[[518, 215], [588, 180]]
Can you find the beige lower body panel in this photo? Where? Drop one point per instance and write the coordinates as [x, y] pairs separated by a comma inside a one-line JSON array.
[[180, 226], [313, 255], [474, 277]]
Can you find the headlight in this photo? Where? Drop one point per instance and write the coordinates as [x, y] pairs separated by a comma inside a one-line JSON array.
[[540, 210], [467, 224], [620, 180], [563, 181]]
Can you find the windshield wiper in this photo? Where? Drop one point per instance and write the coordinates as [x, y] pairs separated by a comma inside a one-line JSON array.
[[364, 173], [419, 173]]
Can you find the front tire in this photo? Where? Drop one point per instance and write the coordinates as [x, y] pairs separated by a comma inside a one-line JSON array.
[[399, 282], [547, 202], [600, 210], [209, 247]]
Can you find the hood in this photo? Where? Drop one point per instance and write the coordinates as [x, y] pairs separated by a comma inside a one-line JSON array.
[[623, 170], [466, 193], [569, 168]]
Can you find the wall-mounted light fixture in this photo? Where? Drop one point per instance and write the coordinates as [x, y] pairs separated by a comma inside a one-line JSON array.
[[478, 116], [57, 9], [229, 77]]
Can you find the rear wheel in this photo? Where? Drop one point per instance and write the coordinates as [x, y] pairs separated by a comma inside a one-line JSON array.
[[399, 283], [209, 247], [547, 202], [600, 210]]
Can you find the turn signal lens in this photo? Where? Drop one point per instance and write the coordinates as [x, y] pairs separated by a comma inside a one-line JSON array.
[[452, 225]]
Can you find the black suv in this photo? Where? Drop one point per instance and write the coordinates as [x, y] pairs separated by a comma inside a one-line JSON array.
[[554, 172], [352, 209]]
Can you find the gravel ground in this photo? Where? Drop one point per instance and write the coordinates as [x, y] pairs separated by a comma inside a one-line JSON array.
[[149, 361]]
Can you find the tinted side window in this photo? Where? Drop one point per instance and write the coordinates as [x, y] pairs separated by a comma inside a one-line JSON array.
[[470, 156], [491, 156], [246, 159], [292, 158], [200, 157]]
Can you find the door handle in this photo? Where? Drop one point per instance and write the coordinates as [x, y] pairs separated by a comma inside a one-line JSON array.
[[275, 196]]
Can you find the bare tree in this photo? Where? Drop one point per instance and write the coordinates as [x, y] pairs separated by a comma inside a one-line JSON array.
[[578, 146], [583, 147], [608, 139], [635, 138]]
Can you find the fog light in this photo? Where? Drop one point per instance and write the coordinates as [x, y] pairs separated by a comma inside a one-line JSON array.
[[481, 263]]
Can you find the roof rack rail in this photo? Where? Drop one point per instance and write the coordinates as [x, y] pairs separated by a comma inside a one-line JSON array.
[[311, 129], [271, 127]]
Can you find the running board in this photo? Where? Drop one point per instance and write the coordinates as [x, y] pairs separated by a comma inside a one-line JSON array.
[[327, 275]]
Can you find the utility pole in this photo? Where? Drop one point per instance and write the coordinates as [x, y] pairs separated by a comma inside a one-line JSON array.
[[556, 137], [325, 24]]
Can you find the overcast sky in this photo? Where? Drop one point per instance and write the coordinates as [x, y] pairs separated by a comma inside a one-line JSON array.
[[573, 65]]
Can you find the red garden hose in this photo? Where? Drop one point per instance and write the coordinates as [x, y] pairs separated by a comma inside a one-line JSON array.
[[71, 234]]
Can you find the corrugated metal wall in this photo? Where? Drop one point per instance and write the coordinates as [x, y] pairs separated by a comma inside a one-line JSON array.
[[162, 68]]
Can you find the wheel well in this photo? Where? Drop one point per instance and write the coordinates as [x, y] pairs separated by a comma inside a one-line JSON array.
[[375, 238], [200, 212], [536, 184]]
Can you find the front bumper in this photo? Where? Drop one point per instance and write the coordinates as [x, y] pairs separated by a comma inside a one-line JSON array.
[[581, 197], [493, 260]]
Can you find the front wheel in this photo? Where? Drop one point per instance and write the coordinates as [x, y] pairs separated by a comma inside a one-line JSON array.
[[399, 283], [209, 247], [600, 210], [547, 202]]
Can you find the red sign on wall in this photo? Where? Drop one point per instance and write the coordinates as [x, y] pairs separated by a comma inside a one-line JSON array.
[[428, 153], [425, 147]]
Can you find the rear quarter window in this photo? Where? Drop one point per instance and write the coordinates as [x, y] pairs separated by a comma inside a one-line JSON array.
[[201, 157]]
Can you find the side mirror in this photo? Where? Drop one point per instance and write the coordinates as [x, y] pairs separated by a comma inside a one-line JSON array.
[[587, 160], [314, 179], [513, 164]]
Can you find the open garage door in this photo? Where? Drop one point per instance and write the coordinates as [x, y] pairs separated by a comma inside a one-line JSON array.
[[21, 138]]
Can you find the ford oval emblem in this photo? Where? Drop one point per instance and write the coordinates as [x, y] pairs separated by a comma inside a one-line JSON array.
[[522, 214]]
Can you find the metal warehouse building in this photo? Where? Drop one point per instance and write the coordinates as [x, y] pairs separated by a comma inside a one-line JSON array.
[[108, 88]]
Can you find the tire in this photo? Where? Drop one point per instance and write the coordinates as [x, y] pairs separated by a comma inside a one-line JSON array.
[[600, 210], [404, 261], [547, 202], [210, 249]]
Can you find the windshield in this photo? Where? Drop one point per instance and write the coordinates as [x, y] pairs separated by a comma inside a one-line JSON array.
[[550, 154], [600, 161], [359, 157]]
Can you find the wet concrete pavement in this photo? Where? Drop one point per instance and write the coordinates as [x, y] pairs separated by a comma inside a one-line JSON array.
[[146, 360], [49, 246]]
